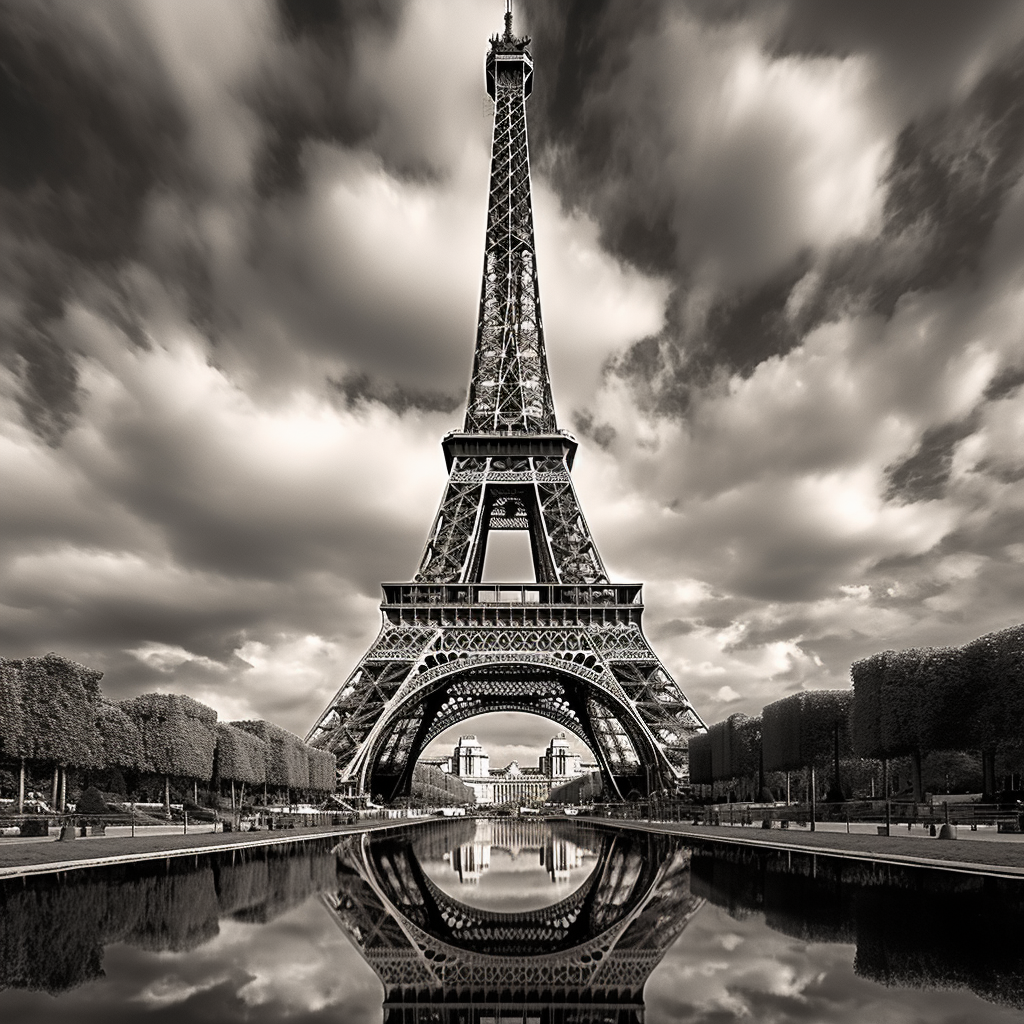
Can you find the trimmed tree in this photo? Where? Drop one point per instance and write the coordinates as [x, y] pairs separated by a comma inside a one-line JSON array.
[[887, 720], [806, 730], [942, 699], [748, 752], [60, 702], [736, 750], [699, 752], [323, 770], [241, 757], [13, 744], [122, 741], [287, 764], [721, 755], [982, 700], [178, 736]]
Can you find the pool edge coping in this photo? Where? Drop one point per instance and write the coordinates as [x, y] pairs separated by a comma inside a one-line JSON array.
[[907, 860], [56, 867]]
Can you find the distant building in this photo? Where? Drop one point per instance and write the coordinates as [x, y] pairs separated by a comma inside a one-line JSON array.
[[513, 784], [559, 762]]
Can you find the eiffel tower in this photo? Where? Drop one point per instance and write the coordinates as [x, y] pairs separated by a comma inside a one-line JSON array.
[[568, 646]]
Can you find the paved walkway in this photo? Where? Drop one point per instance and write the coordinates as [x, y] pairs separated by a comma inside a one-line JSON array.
[[988, 854], [35, 856]]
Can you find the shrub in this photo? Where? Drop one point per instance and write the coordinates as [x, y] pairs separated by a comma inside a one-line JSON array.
[[91, 802]]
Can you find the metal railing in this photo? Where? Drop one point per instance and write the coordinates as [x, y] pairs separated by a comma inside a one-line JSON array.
[[885, 814]]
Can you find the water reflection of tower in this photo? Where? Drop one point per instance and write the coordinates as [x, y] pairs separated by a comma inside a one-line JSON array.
[[584, 959], [561, 857]]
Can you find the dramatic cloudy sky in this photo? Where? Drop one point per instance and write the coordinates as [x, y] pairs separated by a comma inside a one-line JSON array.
[[782, 262]]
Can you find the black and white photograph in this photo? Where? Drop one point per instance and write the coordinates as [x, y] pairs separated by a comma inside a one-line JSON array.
[[512, 511]]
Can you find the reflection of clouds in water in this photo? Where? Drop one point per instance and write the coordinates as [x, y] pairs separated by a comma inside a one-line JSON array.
[[299, 967], [769, 977], [168, 990]]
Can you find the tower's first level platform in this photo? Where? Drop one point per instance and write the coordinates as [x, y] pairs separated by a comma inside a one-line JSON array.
[[517, 604]]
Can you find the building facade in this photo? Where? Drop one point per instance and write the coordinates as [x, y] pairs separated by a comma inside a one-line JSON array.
[[513, 783]]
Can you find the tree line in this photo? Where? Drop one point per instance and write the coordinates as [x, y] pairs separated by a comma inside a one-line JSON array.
[[54, 717], [904, 705]]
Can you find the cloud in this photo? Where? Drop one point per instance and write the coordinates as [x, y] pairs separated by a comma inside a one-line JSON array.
[[782, 279]]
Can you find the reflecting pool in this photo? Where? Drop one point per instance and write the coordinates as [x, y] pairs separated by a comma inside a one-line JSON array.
[[500, 921]]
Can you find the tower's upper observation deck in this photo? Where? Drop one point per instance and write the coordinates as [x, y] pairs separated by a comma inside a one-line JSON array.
[[509, 53]]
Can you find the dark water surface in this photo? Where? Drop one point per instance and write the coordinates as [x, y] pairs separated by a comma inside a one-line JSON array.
[[511, 922]]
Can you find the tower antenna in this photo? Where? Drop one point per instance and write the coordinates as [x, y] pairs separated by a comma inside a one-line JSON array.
[[508, 20]]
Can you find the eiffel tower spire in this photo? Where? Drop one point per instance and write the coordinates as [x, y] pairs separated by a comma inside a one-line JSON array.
[[510, 463], [510, 391], [567, 645]]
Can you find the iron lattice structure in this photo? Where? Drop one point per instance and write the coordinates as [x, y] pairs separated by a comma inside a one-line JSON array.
[[583, 960], [569, 646]]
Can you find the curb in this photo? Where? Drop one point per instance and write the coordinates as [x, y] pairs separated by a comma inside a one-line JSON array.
[[56, 867], [907, 860]]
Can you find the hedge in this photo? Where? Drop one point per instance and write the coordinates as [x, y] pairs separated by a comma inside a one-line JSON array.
[[178, 734], [323, 770], [241, 756], [287, 763], [48, 711], [122, 739], [699, 750], [799, 731]]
